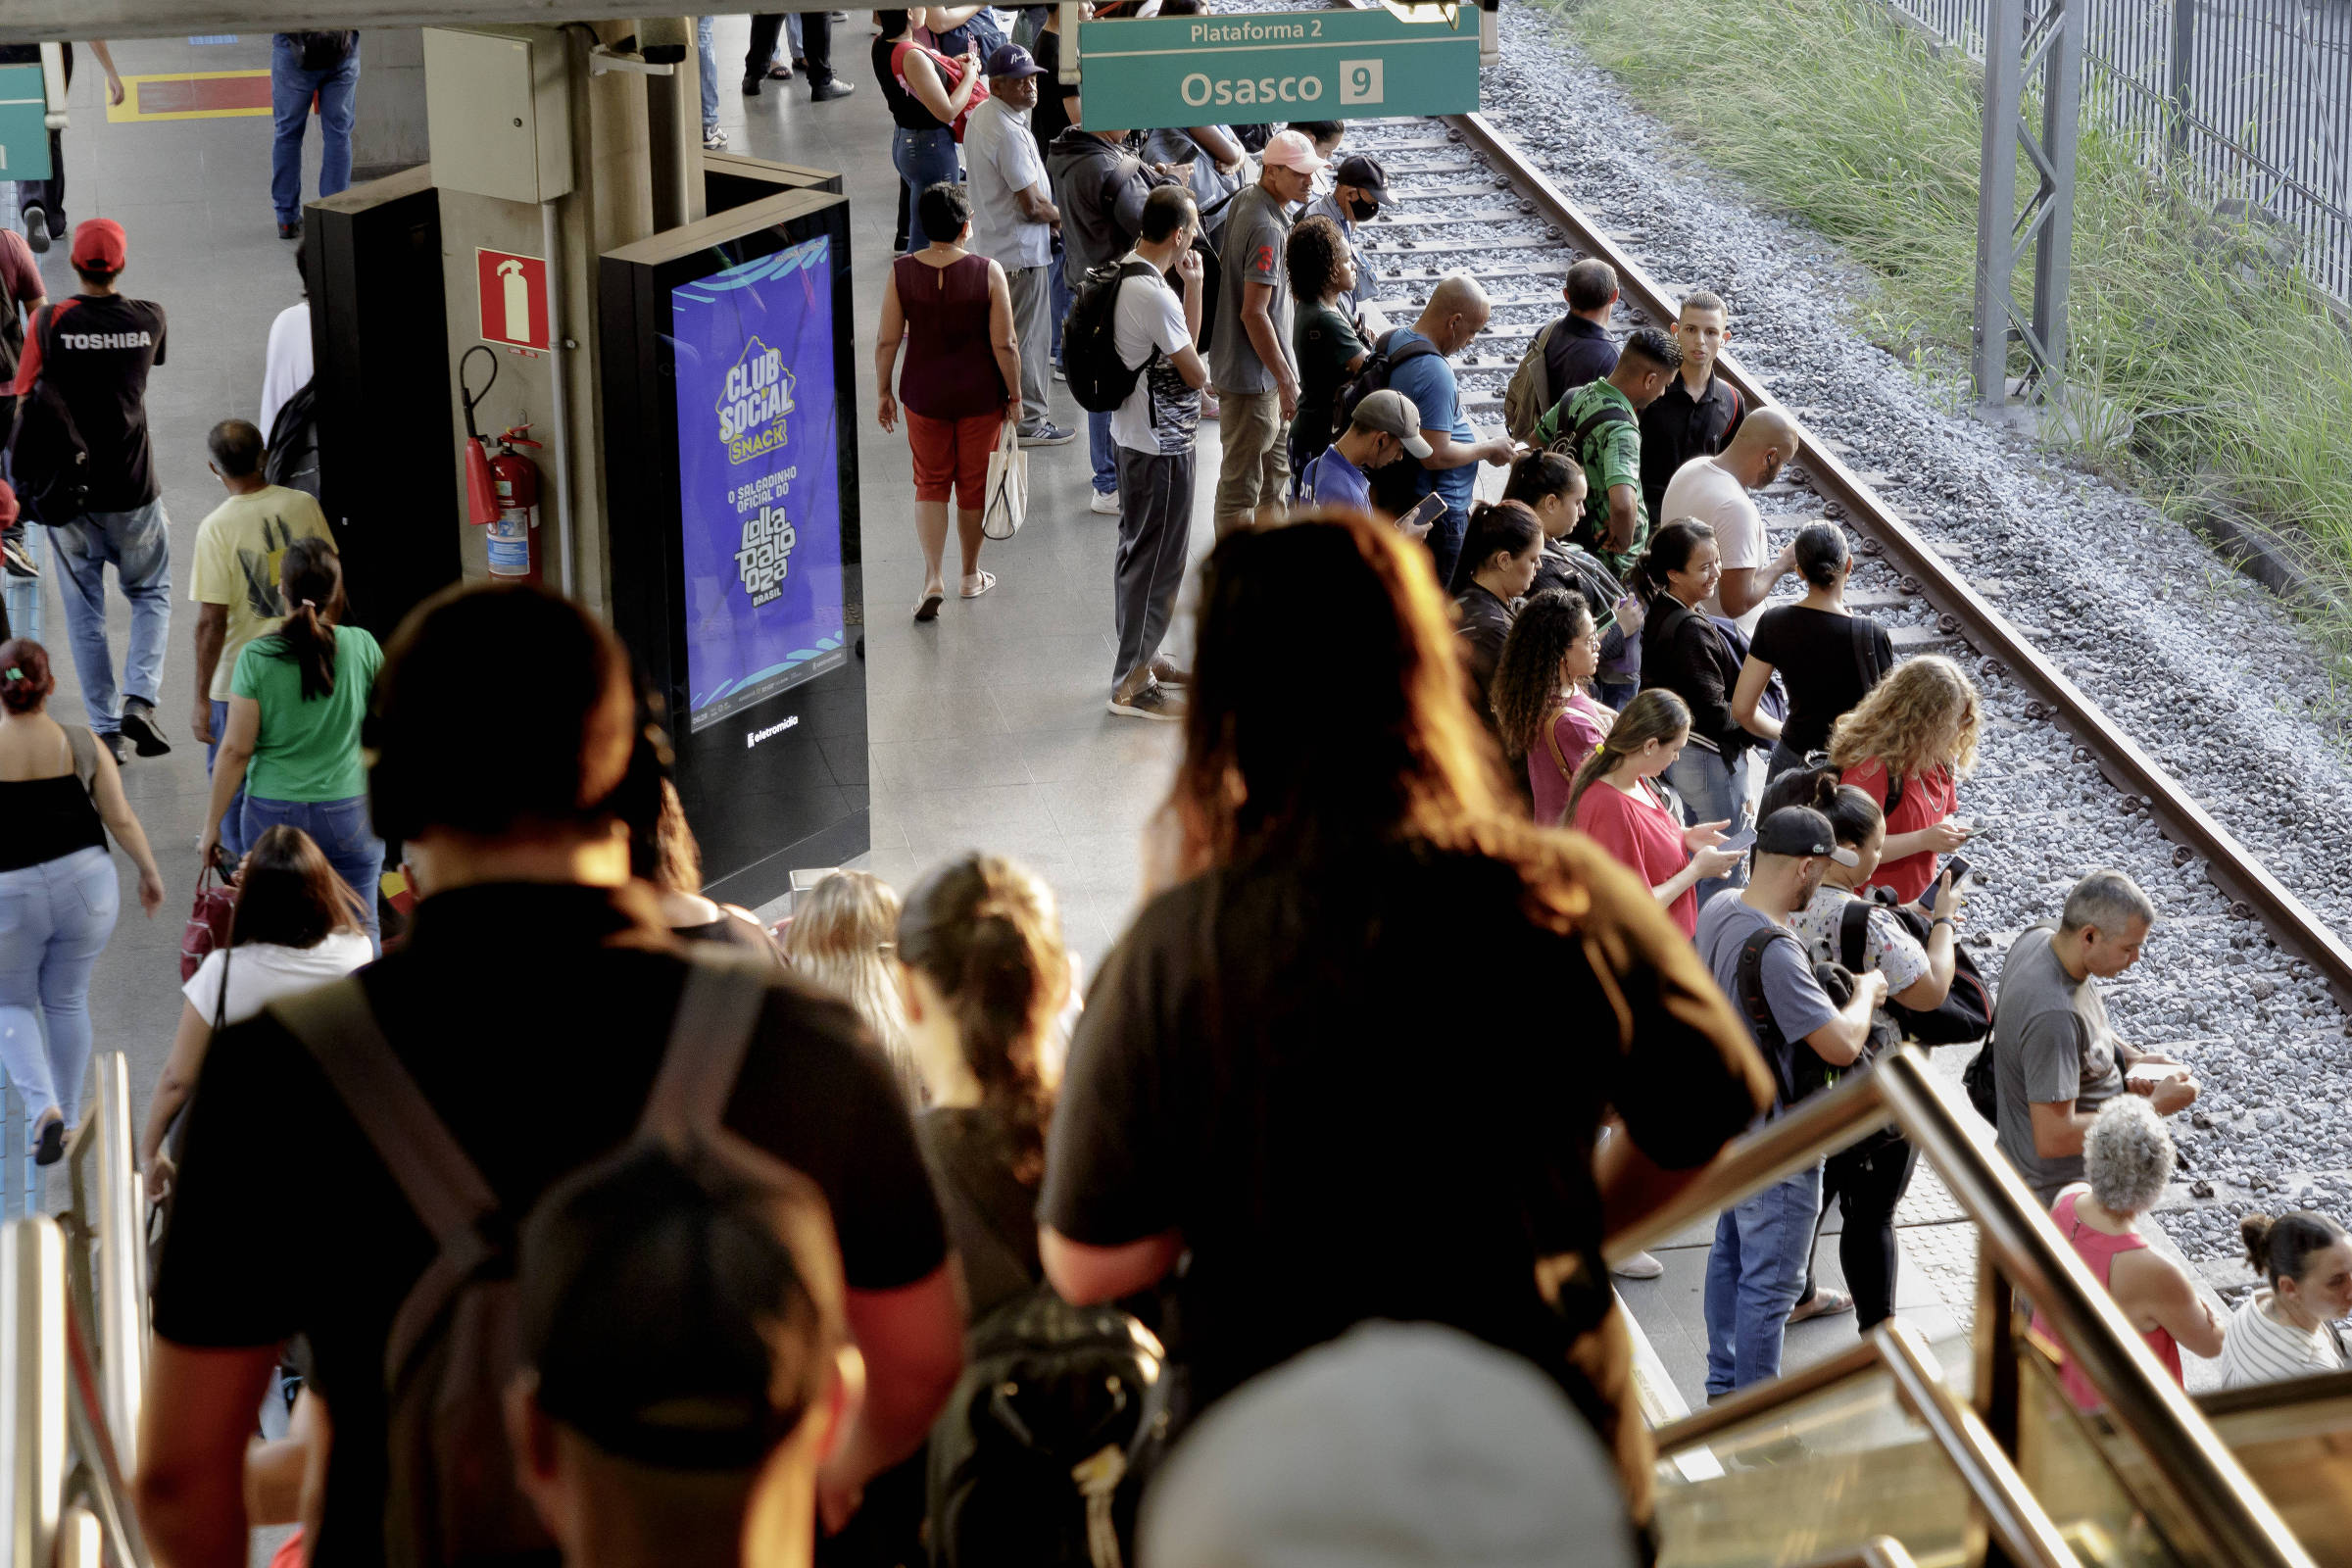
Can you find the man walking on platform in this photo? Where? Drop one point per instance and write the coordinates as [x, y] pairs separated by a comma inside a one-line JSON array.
[[303, 66], [93, 351], [816, 44]]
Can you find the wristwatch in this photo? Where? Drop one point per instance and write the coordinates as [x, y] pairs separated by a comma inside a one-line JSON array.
[[1943, 919]]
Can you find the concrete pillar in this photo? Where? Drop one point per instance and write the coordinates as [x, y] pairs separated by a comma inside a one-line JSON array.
[[387, 133]]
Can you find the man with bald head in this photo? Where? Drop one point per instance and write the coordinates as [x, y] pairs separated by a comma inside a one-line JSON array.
[[1456, 311], [1714, 490]]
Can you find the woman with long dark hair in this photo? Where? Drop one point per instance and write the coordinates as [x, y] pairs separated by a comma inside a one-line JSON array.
[[60, 791], [1828, 657], [1544, 713], [1253, 1079], [1497, 561], [295, 705], [983, 974], [1554, 489], [296, 924], [1322, 272], [1685, 651]]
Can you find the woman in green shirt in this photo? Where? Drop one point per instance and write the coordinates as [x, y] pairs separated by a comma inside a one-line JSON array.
[[1323, 340], [296, 701]]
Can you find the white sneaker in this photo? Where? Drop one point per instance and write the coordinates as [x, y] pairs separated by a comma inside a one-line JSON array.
[[715, 140], [1107, 505], [1639, 1266]]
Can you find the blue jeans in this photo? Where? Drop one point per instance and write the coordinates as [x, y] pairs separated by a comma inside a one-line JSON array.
[[1105, 453], [23, 595], [232, 820], [1057, 293], [342, 832], [54, 922], [290, 92], [710, 62], [1444, 541], [1755, 1273], [791, 36], [923, 159], [1711, 793], [139, 545]]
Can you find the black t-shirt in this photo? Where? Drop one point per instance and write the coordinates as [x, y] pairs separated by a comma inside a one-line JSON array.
[[1051, 115], [906, 108], [1371, 1089], [536, 1037], [990, 1213], [1814, 652], [96, 355]]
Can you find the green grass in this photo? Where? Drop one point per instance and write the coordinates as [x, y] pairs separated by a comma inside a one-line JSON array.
[[2235, 380]]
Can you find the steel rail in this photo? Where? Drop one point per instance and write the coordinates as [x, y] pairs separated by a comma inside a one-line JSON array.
[[2228, 863]]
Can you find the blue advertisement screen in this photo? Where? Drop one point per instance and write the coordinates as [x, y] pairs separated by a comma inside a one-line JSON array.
[[758, 481]]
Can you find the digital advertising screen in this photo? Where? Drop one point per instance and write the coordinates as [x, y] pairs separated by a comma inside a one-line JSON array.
[[759, 487]]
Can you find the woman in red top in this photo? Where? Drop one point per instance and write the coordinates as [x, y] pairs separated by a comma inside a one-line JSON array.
[[1544, 713], [1618, 801], [1918, 726], [962, 385], [2128, 1156]]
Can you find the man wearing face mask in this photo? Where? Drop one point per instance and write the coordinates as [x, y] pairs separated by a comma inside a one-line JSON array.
[[1359, 189]]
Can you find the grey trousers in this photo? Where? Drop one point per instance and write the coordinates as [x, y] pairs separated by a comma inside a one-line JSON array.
[[1033, 324], [1156, 536]]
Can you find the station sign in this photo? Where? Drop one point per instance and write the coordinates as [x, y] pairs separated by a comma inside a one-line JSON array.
[[513, 299], [24, 123], [1150, 71]]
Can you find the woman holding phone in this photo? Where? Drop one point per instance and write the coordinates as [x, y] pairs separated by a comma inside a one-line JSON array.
[[1907, 746], [1618, 801]]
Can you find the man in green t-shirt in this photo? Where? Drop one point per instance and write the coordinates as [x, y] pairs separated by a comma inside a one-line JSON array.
[[237, 550], [1598, 425]]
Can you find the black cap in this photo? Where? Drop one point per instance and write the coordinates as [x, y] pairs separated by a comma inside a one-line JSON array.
[[1800, 830], [681, 1313], [1363, 171]]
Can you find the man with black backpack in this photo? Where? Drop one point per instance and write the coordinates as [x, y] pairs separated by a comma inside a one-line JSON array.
[[1412, 360], [308, 67], [1598, 424], [83, 464], [1098, 188], [356, 1164], [1756, 1269]]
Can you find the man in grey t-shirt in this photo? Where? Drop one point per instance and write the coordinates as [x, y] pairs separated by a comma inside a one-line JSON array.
[[2055, 1062], [1249, 352]]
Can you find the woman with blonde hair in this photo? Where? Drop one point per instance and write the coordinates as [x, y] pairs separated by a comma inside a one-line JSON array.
[[1907, 746], [844, 936], [1617, 799]]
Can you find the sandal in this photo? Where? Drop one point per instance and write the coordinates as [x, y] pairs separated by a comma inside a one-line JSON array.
[[1826, 1302], [986, 580], [928, 610], [776, 72]]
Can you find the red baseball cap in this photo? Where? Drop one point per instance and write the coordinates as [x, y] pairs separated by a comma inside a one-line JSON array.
[[99, 245]]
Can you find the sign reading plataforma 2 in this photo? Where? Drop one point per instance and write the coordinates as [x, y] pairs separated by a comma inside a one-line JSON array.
[[1280, 65]]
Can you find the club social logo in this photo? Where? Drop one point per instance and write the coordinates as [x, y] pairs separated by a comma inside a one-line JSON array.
[[752, 407]]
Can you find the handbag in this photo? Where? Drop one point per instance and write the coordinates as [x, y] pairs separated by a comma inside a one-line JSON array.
[[951, 76], [1007, 504], [207, 921]]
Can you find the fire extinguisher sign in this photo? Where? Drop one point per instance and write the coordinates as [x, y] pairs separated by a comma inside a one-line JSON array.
[[513, 290]]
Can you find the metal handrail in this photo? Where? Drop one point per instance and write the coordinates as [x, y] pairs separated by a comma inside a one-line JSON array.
[[2018, 1521], [32, 1386], [2153, 1410], [107, 1217]]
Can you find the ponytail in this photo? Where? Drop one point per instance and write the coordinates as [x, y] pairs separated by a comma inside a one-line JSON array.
[[1657, 714], [1670, 549], [2280, 1249], [311, 577], [985, 933]]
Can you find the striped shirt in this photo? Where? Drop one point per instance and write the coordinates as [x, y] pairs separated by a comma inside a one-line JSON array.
[[2259, 1348]]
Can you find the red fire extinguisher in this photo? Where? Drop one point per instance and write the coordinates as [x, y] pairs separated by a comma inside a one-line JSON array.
[[481, 502], [515, 484]]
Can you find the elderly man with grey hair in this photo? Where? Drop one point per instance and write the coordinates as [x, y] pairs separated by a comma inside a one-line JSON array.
[[2055, 1060], [2128, 1158]]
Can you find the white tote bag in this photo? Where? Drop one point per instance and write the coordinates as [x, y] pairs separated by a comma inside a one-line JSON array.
[[1008, 486]]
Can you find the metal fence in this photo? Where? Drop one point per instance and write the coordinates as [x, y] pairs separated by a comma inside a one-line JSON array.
[[2249, 101]]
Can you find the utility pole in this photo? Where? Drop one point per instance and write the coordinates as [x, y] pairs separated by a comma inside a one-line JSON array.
[[2033, 44]]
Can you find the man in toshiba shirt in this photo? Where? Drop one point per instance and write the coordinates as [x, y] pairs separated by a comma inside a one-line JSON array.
[[94, 349]]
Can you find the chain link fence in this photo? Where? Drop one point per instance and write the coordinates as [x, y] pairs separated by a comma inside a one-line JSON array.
[[2249, 101]]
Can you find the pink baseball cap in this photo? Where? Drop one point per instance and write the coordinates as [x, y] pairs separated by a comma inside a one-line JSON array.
[[1290, 149]]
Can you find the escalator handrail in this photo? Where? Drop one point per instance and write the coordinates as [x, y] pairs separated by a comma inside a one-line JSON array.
[[2214, 1490]]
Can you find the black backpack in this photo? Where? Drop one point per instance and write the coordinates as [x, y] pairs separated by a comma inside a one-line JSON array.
[[48, 461], [1373, 376], [453, 1350], [293, 443], [1099, 378], [1966, 1012], [1797, 1066], [323, 51], [1041, 1456]]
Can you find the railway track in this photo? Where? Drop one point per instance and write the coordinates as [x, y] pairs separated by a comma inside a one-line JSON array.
[[1522, 232]]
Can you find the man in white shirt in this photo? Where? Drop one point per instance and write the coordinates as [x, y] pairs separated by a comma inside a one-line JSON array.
[[286, 363], [1715, 491], [1159, 332], [1013, 219]]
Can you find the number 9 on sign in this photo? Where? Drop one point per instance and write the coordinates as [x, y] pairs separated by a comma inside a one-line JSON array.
[[1361, 81]]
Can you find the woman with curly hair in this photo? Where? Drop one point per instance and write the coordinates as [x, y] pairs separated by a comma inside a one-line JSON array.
[[1907, 746], [1323, 340], [2128, 1158], [1544, 713], [983, 974], [1256, 1052]]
